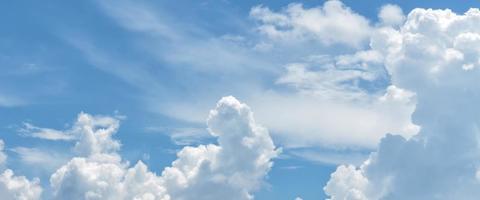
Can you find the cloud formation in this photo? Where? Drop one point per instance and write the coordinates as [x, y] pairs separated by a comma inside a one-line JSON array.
[[17, 187], [391, 14], [312, 67], [331, 23], [348, 84], [433, 54], [232, 169]]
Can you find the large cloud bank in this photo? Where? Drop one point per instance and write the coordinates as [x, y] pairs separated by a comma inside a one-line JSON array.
[[233, 169], [332, 76], [435, 54]]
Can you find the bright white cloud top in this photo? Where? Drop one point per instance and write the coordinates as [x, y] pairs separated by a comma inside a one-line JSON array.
[[17, 187], [233, 169], [435, 54]]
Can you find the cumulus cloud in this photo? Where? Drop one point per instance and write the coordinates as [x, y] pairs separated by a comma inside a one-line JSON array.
[[84, 178], [98, 172], [95, 135], [331, 23], [434, 55], [391, 15], [232, 169], [17, 187]]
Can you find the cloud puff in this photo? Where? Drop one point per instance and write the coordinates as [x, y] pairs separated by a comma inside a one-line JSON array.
[[391, 15], [434, 55], [98, 172], [17, 187], [331, 23], [82, 178], [232, 169], [95, 135]]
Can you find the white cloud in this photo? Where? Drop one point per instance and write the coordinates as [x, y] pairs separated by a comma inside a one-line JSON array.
[[391, 15], [232, 169], [331, 23], [335, 77], [343, 87], [95, 135], [306, 120], [17, 187], [43, 133], [98, 172], [429, 57], [83, 178], [347, 183]]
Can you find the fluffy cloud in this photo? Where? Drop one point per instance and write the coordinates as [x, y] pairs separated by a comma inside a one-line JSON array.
[[434, 55], [83, 178], [98, 172], [232, 169], [391, 15], [17, 187], [331, 23]]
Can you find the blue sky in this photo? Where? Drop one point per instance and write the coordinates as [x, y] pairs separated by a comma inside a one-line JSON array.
[[159, 67]]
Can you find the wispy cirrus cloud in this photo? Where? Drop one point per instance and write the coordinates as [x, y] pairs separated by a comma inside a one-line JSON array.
[[30, 130]]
